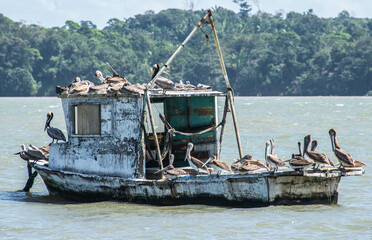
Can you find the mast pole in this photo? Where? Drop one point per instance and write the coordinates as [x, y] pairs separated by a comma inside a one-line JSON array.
[[153, 128], [178, 50], [228, 86]]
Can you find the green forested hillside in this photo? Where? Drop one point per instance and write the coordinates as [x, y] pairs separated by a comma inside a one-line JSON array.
[[292, 54]]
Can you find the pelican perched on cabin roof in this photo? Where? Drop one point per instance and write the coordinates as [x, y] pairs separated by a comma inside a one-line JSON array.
[[53, 132], [78, 86], [162, 82], [195, 163]]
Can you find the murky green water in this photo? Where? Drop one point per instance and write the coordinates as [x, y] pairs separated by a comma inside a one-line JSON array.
[[286, 119]]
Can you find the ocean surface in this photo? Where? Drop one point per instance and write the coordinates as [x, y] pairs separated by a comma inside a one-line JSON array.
[[286, 119]]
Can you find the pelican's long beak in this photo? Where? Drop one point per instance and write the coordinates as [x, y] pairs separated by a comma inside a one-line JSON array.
[[332, 142], [163, 169], [209, 159], [47, 122], [306, 144]]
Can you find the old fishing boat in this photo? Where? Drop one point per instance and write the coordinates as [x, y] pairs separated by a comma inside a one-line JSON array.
[[114, 150]]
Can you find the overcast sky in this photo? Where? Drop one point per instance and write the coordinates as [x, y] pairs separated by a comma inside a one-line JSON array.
[[54, 13]]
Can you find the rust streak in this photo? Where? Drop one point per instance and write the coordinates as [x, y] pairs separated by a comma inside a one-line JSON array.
[[203, 111]]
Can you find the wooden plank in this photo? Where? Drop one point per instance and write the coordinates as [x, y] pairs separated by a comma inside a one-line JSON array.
[[88, 119]]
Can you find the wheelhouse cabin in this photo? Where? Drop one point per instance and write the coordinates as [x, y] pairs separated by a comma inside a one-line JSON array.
[[112, 136]]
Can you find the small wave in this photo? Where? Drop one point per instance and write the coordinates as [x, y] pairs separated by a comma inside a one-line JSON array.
[[340, 104]]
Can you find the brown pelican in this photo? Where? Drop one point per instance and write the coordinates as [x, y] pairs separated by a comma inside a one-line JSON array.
[[100, 77], [194, 162], [345, 159], [314, 145], [189, 85], [99, 89], [217, 165], [79, 86], [44, 150], [180, 84], [273, 159], [54, 133], [248, 160], [318, 158], [31, 153], [37, 153], [116, 78], [23, 154], [162, 82], [170, 171], [245, 169], [203, 86], [298, 162]]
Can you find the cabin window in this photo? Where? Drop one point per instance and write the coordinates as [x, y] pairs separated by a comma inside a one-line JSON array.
[[92, 119]]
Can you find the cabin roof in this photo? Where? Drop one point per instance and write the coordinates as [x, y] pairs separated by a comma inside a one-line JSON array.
[[152, 93]]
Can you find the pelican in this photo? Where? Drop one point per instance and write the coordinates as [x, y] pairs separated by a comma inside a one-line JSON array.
[[203, 86], [79, 86], [162, 82], [248, 160], [189, 85], [116, 78], [273, 159], [180, 84], [54, 133], [37, 153], [345, 159], [217, 165], [100, 89], [23, 154], [170, 171], [298, 162], [318, 158], [31, 153], [194, 162], [43, 150], [245, 169]]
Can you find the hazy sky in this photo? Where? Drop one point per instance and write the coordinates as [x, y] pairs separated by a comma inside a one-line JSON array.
[[51, 13]]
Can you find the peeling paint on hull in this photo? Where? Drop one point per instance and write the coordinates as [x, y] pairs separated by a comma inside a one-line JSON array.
[[226, 190]]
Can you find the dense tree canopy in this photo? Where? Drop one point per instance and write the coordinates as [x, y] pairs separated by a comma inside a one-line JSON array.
[[265, 54]]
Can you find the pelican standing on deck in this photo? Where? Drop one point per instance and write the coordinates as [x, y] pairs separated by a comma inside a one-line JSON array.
[[170, 171], [217, 165], [299, 162], [318, 158], [194, 162], [273, 159], [345, 159], [54, 133], [248, 161]]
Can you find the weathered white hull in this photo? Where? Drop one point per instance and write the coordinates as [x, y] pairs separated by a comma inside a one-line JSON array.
[[226, 190]]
